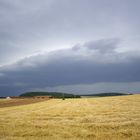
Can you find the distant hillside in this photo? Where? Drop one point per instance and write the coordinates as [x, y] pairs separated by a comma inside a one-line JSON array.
[[67, 95], [53, 94], [106, 94]]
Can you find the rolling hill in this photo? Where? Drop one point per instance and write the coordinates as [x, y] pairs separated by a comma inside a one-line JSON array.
[[53, 94], [106, 94]]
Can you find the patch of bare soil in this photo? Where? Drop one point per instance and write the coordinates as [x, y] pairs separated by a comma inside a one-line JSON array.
[[17, 102]]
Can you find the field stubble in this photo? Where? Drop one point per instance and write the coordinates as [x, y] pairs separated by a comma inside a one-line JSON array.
[[108, 118]]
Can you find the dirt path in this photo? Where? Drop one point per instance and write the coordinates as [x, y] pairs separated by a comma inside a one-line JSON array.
[[17, 102]]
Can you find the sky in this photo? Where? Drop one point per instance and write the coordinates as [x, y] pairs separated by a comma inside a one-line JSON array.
[[74, 46]]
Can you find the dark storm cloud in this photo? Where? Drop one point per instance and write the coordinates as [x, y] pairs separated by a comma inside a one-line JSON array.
[[84, 64]]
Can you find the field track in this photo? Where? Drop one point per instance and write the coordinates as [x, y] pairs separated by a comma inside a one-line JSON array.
[[17, 102], [106, 118]]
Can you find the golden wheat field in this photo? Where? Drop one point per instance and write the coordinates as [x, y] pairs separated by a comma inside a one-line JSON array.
[[106, 118]]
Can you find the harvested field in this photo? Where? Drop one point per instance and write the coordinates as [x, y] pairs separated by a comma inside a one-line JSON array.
[[17, 102], [107, 118]]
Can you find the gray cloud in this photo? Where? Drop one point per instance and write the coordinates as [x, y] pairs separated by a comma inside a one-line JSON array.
[[124, 87], [38, 43], [34, 26], [82, 65]]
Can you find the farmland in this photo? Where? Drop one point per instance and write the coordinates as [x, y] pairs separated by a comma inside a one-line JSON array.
[[106, 118], [17, 102]]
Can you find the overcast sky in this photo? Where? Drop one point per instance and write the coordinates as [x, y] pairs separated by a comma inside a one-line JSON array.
[[77, 46]]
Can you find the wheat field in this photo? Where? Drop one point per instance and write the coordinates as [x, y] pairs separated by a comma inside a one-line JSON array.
[[106, 118]]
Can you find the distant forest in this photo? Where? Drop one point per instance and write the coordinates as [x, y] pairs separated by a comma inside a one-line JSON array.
[[67, 95], [107, 94], [53, 94]]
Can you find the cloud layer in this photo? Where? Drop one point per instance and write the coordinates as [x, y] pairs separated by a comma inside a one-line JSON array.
[[27, 28], [87, 63], [50, 43]]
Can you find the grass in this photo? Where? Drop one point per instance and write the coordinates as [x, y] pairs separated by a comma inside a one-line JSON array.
[[107, 118]]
